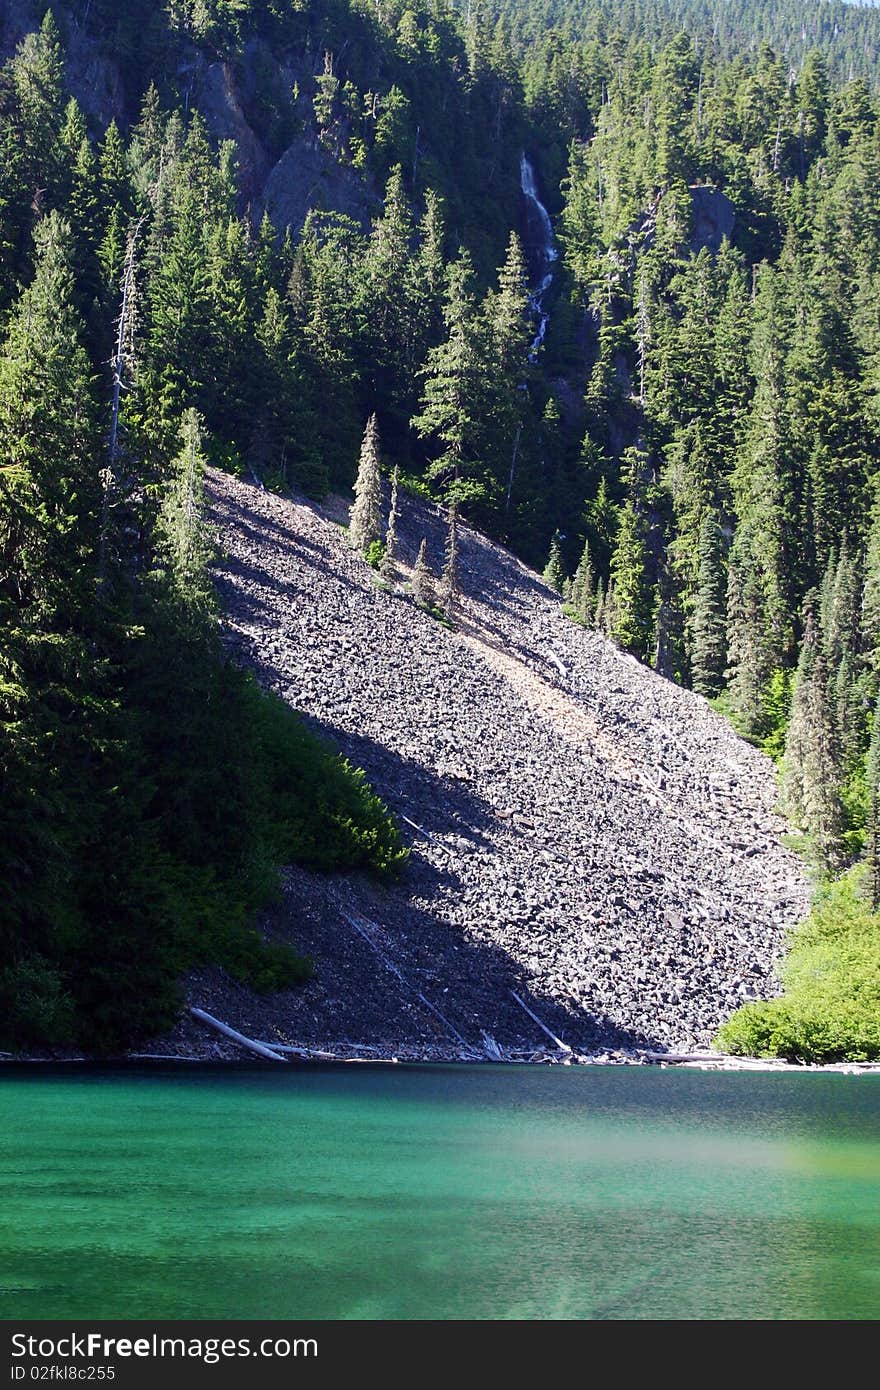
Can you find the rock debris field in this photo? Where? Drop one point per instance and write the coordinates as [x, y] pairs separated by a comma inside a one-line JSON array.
[[583, 831]]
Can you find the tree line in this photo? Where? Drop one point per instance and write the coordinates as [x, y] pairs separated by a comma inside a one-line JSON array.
[[149, 789]]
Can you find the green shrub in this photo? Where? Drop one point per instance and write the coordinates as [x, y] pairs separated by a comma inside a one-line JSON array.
[[264, 966], [319, 810], [777, 708], [571, 612], [35, 1008], [415, 486], [375, 553], [830, 1011]]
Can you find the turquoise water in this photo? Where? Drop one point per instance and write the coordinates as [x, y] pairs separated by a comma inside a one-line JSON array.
[[487, 1192]]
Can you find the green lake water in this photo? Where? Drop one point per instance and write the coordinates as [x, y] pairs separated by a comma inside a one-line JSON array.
[[487, 1192]]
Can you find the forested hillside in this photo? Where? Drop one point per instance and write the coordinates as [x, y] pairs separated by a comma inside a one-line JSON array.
[[846, 33], [232, 231]]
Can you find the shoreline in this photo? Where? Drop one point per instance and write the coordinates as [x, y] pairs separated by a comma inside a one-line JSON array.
[[311, 1058]]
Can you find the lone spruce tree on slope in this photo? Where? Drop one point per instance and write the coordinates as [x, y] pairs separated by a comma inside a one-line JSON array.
[[554, 570], [365, 517], [583, 596], [423, 579]]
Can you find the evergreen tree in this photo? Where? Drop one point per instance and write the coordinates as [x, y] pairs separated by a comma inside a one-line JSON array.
[[326, 291], [452, 393], [839, 606], [390, 310], [749, 652], [629, 618], [765, 494], [608, 611], [365, 516], [279, 435], [869, 617], [708, 621], [180, 329], [507, 340], [733, 382], [811, 762], [583, 589], [50, 444], [428, 279], [181, 541], [229, 376], [599, 612], [673, 94], [423, 579], [666, 639], [53, 708], [37, 77], [554, 570]]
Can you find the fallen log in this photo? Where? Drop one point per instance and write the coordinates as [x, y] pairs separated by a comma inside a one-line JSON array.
[[297, 1050], [361, 925], [422, 831], [551, 656], [258, 1048], [684, 1056], [156, 1057], [563, 1047], [445, 1021]]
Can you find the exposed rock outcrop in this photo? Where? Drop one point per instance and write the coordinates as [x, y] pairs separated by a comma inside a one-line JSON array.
[[591, 834], [218, 101], [307, 177], [712, 217]]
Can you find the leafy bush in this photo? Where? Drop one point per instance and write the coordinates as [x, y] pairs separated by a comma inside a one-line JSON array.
[[770, 734], [35, 1008], [830, 1010], [571, 612], [375, 553], [319, 810], [415, 486], [264, 966], [777, 708]]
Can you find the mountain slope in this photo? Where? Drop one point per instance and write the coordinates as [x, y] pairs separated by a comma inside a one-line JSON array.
[[590, 834]]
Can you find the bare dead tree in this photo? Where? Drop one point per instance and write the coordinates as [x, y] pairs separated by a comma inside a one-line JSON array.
[[120, 360]]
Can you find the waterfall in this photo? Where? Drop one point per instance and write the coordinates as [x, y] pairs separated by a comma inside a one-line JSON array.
[[547, 247]]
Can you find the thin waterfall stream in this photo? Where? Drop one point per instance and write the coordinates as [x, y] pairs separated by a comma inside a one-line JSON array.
[[548, 254]]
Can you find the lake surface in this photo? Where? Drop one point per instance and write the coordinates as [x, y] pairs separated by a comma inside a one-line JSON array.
[[482, 1192]]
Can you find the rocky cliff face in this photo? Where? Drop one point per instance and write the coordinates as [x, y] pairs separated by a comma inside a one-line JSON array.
[[589, 834], [287, 178], [712, 218]]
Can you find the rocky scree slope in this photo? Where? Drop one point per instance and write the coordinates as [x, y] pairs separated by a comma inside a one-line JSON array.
[[589, 834]]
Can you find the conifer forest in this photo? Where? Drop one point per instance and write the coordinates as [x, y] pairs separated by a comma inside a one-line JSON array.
[[600, 280]]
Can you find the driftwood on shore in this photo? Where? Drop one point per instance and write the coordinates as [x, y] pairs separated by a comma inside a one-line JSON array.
[[259, 1048], [725, 1061]]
